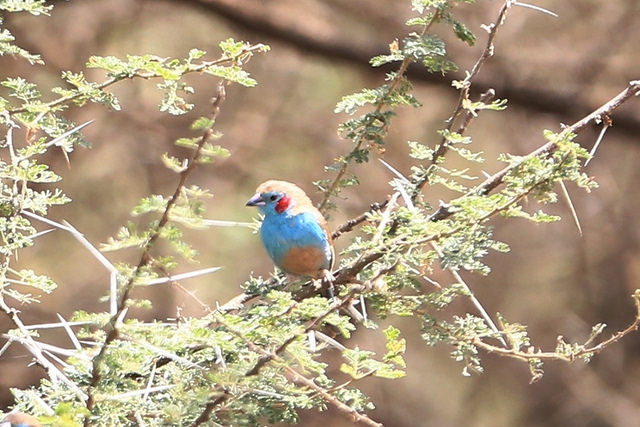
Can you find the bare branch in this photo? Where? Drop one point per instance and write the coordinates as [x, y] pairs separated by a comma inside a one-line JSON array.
[[571, 357]]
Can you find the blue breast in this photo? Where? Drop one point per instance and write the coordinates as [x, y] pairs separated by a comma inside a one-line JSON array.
[[281, 232]]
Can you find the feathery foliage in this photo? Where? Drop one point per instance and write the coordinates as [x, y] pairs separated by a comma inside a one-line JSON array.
[[251, 364]]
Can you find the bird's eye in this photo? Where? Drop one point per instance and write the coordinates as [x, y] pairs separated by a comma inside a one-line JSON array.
[[273, 198]]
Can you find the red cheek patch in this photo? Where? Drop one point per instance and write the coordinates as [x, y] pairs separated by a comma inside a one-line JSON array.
[[283, 203]]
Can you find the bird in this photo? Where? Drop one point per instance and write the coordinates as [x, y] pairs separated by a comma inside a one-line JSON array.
[[19, 419], [293, 231]]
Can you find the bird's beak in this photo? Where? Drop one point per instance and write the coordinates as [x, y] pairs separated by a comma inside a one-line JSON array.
[[256, 200]]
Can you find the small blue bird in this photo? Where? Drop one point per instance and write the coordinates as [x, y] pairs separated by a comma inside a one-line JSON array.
[[293, 231], [19, 419]]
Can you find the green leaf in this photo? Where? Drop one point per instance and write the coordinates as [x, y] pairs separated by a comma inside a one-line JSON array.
[[428, 49], [232, 73], [202, 123], [349, 103], [195, 54], [173, 103], [188, 142], [34, 7], [379, 60], [8, 48], [395, 345], [127, 237], [173, 163], [29, 278], [22, 89], [420, 151], [232, 48], [153, 203], [209, 150], [111, 64]]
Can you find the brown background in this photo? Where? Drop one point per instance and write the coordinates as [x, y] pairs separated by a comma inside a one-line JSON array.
[[553, 70]]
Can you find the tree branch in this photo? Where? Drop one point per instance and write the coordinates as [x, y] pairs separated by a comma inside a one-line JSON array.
[[569, 357], [275, 355], [145, 258], [632, 89]]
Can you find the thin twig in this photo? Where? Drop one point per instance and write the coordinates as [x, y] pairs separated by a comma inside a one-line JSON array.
[[176, 284], [592, 153], [356, 416], [67, 133], [172, 278], [571, 357], [534, 7], [336, 306], [487, 53], [135, 393], [113, 271], [36, 350], [69, 331], [352, 223]]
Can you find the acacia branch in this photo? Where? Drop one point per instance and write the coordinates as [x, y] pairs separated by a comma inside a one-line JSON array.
[[311, 325], [275, 355], [148, 75], [360, 138], [487, 53], [632, 89], [570, 357], [442, 149], [35, 349], [145, 258], [341, 407], [401, 243], [352, 223]]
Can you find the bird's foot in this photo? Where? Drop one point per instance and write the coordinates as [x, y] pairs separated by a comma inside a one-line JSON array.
[[326, 282]]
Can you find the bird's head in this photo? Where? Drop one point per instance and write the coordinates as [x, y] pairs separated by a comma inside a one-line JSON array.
[[277, 197]]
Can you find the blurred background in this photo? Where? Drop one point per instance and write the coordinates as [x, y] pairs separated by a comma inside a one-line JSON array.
[[552, 70]]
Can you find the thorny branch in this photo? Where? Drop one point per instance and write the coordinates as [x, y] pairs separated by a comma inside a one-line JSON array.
[[145, 258], [109, 82], [334, 307], [34, 348], [569, 357], [487, 53], [275, 355], [345, 409], [632, 89], [27, 339], [352, 223], [359, 139]]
